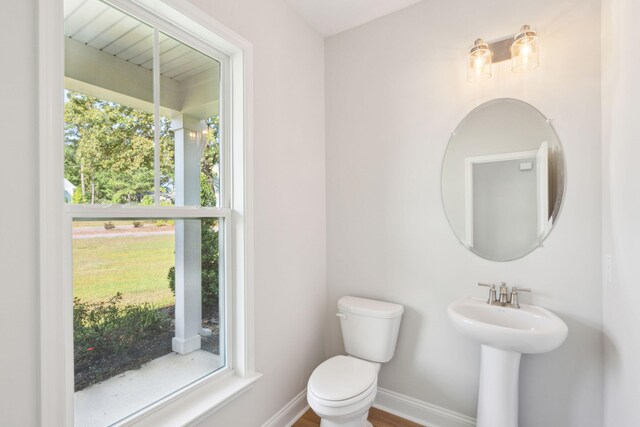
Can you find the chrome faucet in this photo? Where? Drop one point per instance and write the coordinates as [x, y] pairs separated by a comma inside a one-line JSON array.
[[504, 294], [492, 292], [514, 295], [505, 300]]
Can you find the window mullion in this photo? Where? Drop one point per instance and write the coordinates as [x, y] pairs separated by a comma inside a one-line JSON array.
[[156, 115]]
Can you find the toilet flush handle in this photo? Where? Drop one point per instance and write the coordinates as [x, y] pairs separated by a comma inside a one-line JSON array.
[[341, 315]]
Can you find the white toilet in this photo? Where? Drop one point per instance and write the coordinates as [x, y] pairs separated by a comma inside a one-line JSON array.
[[342, 389]]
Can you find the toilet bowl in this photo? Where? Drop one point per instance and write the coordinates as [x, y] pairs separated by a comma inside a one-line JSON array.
[[343, 388]]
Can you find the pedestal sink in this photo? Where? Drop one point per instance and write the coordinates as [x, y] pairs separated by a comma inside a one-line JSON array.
[[504, 334]]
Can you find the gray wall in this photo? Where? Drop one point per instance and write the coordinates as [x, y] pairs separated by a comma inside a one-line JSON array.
[[504, 208], [396, 88], [621, 209]]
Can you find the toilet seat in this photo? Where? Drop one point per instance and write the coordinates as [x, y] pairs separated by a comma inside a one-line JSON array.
[[343, 380]]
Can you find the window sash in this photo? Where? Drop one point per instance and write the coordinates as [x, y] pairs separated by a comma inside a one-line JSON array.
[[226, 289], [159, 25]]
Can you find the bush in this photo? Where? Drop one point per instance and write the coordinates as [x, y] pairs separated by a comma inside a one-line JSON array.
[[77, 196], [138, 224], [112, 328], [109, 225], [147, 200]]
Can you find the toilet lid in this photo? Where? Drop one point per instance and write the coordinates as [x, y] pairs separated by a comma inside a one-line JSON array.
[[342, 377]]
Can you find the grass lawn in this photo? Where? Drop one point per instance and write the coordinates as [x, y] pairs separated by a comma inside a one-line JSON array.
[[136, 267]]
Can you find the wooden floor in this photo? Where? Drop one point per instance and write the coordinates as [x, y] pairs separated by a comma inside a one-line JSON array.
[[377, 417]]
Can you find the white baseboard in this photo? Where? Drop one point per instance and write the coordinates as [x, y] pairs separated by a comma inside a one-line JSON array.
[[420, 412], [389, 401], [293, 410]]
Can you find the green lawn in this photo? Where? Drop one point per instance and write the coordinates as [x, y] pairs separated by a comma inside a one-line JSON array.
[[136, 266]]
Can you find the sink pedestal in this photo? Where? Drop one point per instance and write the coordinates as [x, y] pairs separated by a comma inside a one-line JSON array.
[[498, 394]]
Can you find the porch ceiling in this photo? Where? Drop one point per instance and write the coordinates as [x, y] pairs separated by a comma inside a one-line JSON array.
[[109, 55], [102, 27]]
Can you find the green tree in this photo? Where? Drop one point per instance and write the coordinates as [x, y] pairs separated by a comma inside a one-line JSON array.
[[109, 150]]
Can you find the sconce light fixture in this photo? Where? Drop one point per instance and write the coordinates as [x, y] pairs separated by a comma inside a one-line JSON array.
[[522, 49], [479, 61]]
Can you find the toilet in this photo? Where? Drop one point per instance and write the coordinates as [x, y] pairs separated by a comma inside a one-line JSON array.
[[342, 389]]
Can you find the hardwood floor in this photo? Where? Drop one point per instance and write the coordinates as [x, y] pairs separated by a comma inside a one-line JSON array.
[[377, 417]]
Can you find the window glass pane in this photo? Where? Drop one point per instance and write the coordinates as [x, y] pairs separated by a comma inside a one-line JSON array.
[[190, 101], [109, 122], [147, 312]]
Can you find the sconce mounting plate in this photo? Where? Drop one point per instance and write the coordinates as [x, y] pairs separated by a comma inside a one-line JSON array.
[[501, 49]]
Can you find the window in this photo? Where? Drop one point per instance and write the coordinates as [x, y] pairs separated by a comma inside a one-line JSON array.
[[153, 300]]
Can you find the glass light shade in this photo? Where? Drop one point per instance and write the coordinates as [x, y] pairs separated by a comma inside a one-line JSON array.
[[525, 50], [479, 66]]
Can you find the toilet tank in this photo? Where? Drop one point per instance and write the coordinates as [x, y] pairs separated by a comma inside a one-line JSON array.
[[369, 327]]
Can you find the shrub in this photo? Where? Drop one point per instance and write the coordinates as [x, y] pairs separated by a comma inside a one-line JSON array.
[[77, 196], [147, 200], [138, 224], [109, 225], [110, 328]]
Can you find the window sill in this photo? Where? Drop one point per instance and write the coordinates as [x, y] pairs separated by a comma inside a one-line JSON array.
[[195, 402]]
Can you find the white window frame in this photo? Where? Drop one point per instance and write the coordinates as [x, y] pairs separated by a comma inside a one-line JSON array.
[[194, 402]]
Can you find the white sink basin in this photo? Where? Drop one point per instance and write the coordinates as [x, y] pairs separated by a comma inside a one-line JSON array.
[[528, 329]]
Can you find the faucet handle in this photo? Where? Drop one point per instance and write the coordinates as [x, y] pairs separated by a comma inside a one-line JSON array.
[[488, 285], [492, 292], [514, 295]]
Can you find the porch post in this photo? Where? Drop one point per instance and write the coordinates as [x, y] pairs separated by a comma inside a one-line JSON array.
[[188, 275]]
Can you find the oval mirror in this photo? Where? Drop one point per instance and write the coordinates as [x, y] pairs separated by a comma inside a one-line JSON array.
[[503, 179]]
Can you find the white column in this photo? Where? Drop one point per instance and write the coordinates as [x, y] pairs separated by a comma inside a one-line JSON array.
[[188, 282]]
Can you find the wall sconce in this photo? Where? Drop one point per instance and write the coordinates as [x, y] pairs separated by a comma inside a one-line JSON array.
[[522, 49], [479, 62]]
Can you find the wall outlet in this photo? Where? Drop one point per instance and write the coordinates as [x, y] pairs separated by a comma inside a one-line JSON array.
[[607, 269]]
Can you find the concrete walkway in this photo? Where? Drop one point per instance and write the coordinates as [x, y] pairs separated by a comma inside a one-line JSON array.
[[110, 401], [121, 234]]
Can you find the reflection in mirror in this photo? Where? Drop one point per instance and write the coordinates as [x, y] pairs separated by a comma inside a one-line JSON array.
[[503, 179]]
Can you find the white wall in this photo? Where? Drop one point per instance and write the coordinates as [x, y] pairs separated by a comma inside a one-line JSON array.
[[396, 88], [18, 218], [289, 190], [289, 204], [621, 209]]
